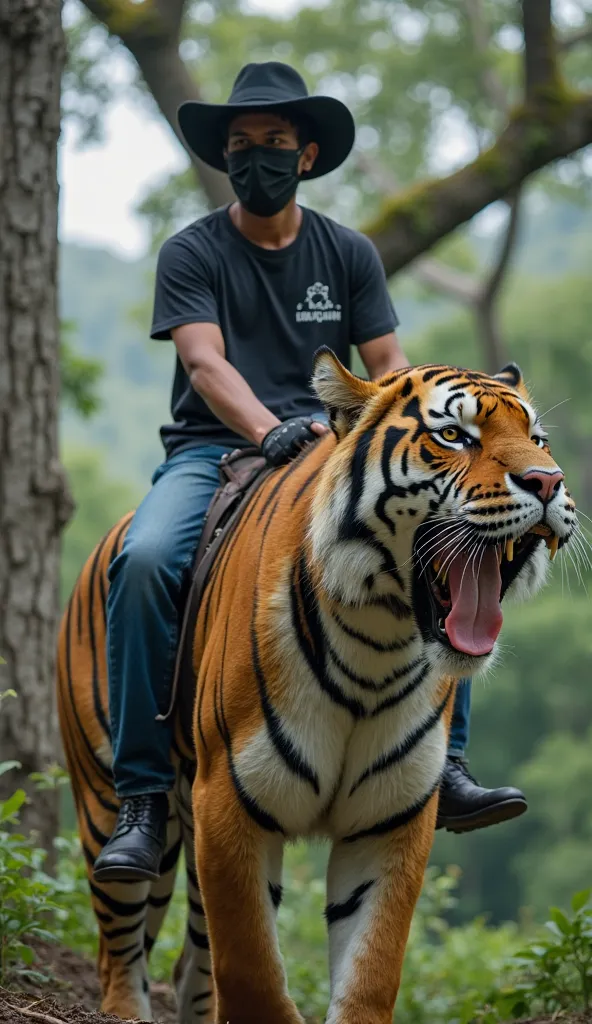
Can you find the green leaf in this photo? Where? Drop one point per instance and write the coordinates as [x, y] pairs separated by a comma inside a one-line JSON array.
[[7, 766], [579, 900], [554, 929], [561, 920], [41, 979], [531, 953], [12, 805], [24, 953], [80, 380], [42, 933]]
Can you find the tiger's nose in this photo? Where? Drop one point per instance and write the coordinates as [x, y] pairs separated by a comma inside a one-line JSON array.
[[537, 481]]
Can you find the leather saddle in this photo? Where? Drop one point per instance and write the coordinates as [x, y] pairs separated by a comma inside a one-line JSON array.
[[241, 474]]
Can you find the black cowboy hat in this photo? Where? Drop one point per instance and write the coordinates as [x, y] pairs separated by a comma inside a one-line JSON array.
[[263, 87]]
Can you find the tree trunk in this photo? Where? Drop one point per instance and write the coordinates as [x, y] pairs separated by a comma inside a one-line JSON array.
[[34, 499], [490, 336]]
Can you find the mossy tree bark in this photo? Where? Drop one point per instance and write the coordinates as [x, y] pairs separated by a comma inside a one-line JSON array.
[[34, 499], [536, 135], [551, 122]]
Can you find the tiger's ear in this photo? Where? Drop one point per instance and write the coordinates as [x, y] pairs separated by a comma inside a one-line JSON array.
[[512, 376], [342, 393]]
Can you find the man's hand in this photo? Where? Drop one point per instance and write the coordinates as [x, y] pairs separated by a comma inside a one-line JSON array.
[[285, 441]]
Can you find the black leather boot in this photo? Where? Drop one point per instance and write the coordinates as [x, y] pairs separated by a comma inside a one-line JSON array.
[[464, 804], [135, 849]]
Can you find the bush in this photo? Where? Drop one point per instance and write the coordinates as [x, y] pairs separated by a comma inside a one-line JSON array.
[[26, 894], [451, 975], [553, 973], [447, 970], [447, 973]]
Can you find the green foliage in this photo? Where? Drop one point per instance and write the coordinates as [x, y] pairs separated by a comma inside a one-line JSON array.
[[553, 973], [54, 777], [26, 894], [74, 923], [452, 974], [302, 930], [448, 972], [558, 779], [79, 377], [448, 969], [100, 502], [175, 202], [87, 86], [97, 293]]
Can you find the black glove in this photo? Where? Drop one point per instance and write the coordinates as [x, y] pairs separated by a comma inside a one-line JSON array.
[[284, 442]]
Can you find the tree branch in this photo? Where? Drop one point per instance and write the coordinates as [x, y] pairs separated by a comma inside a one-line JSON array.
[[494, 280], [493, 86], [540, 64], [486, 307], [490, 336], [151, 34], [451, 282], [173, 10], [45, 1017], [454, 283], [411, 223], [479, 295]]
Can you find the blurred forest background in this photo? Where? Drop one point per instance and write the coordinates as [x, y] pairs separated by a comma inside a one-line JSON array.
[[430, 84]]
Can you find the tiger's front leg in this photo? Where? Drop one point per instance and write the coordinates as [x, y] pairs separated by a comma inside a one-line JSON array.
[[239, 870], [373, 885]]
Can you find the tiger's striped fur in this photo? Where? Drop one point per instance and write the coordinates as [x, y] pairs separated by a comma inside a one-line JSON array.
[[323, 693]]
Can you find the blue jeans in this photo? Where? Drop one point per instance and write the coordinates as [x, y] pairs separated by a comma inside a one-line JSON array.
[[459, 729], [147, 586]]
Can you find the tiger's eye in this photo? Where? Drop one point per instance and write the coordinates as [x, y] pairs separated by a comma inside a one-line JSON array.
[[450, 434]]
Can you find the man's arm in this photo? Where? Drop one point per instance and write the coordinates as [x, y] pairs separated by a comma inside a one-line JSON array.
[[382, 355], [202, 352], [373, 318]]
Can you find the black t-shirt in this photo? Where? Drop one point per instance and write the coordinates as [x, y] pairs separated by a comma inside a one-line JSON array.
[[275, 308]]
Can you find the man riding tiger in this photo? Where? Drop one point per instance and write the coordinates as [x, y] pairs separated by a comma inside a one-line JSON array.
[[248, 294], [364, 577]]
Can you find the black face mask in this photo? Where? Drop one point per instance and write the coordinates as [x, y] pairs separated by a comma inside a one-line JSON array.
[[264, 179]]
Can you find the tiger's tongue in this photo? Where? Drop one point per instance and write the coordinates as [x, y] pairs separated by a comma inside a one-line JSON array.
[[475, 620]]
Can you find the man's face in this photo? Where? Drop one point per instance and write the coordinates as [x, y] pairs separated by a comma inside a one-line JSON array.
[[268, 129]]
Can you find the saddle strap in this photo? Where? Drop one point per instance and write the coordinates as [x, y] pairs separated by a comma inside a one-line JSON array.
[[241, 474]]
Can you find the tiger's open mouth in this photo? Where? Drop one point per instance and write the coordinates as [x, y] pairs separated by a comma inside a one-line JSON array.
[[457, 594]]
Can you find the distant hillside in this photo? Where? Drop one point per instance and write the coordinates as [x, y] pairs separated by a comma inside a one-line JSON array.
[[100, 292]]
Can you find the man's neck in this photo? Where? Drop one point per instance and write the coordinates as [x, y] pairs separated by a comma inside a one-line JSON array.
[[269, 232]]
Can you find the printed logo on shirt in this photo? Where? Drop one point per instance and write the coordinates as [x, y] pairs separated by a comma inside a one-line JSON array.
[[318, 305]]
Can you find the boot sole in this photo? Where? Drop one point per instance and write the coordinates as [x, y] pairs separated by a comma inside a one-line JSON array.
[[124, 874], [494, 815]]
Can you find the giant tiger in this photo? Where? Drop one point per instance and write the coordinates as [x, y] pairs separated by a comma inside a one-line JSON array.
[[363, 579]]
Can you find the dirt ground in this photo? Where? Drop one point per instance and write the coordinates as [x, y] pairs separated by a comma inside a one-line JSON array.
[[72, 996]]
